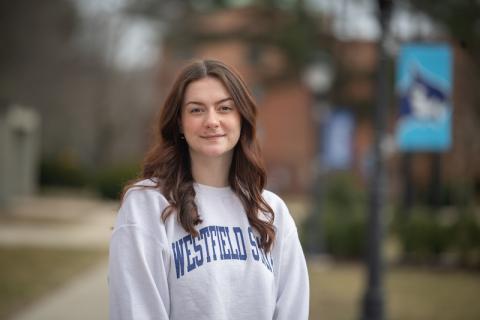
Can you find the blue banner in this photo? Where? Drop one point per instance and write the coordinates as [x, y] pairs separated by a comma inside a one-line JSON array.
[[338, 140], [424, 85]]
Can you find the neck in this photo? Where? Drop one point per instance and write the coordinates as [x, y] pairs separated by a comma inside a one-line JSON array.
[[211, 171]]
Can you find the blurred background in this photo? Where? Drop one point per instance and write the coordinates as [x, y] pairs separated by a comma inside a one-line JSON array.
[[81, 81]]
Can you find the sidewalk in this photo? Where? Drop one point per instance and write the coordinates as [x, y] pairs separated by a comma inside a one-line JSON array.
[[65, 222], [85, 297]]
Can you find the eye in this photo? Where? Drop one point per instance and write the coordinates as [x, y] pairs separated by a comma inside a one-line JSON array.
[[195, 110], [226, 108]]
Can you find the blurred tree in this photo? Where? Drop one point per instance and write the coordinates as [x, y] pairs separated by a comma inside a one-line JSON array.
[[33, 37], [286, 25], [460, 17], [60, 60]]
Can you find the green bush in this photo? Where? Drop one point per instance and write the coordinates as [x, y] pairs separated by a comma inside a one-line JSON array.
[[466, 240], [458, 193], [342, 191], [341, 220], [345, 234], [109, 182], [426, 236], [63, 172]]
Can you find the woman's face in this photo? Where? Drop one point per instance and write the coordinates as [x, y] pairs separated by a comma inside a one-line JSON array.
[[210, 120]]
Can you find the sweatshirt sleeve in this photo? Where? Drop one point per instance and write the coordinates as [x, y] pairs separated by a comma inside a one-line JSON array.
[[138, 287], [138, 268], [292, 283]]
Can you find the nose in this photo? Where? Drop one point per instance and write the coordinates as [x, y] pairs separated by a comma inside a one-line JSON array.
[[212, 120]]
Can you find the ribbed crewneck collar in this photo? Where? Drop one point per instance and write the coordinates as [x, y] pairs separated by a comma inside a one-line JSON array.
[[203, 188]]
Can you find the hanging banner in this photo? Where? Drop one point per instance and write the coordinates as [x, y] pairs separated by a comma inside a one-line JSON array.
[[338, 140], [424, 85]]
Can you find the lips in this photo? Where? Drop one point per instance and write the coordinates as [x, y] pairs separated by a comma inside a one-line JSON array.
[[215, 136]]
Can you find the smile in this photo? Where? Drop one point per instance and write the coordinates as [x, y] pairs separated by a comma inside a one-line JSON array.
[[212, 137]]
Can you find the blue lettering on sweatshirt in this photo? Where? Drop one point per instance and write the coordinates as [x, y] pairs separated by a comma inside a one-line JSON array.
[[177, 248], [188, 239], [198, 250], [226, 252], [234, 253], [204, 233], [242, 252], [264, 258], [190, 253], [212, 230], [253, 243]]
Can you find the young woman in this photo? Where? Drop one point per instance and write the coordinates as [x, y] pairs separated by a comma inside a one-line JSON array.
[[198, 237]]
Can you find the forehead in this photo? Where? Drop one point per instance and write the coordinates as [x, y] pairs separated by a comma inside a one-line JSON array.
[[207, 89]]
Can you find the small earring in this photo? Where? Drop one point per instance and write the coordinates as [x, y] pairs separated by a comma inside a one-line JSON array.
[[182, 136]]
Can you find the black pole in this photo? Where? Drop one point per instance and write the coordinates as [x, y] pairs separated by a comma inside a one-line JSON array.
[[435, 180], [408, 187], [373, 300]]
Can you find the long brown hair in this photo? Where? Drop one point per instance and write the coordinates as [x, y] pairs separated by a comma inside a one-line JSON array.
[[167, 162]]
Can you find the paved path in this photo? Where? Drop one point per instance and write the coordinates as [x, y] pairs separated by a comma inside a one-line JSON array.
[[85, 297], [64, 222]]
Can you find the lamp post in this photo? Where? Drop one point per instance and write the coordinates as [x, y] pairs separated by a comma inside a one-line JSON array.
[[373, 300], [318, 77]]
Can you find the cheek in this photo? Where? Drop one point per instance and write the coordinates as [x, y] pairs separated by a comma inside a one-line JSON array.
[[188, 125], [238, 131], [237, 122]]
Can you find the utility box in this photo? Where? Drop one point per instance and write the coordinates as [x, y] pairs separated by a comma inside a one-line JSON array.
[[19, 152]]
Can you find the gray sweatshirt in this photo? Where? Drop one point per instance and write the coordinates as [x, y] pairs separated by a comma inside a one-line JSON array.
[[158, 271]]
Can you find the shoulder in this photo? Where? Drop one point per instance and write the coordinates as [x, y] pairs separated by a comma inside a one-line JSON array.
[[283, 219], [146, 188], [142, 204], [274, 201]]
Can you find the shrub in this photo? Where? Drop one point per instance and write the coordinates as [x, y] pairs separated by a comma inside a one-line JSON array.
[[62, 171], [340, 227], [427, 236], [424, 237], [109, 182], [466, 240], [345, 234]]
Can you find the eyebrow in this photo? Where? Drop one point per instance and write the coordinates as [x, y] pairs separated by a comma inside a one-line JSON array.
[[201, 103]]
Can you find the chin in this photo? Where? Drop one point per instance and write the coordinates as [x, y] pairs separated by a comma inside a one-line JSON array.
[[213, 152]]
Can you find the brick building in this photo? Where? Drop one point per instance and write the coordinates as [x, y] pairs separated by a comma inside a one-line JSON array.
[[287, 130]]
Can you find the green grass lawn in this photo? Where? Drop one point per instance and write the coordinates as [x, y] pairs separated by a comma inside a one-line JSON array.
[[27, 273], [410, 293]]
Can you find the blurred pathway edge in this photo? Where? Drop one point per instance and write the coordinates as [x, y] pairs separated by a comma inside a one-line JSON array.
[[85, 297], [64, 222], [58, 222]]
